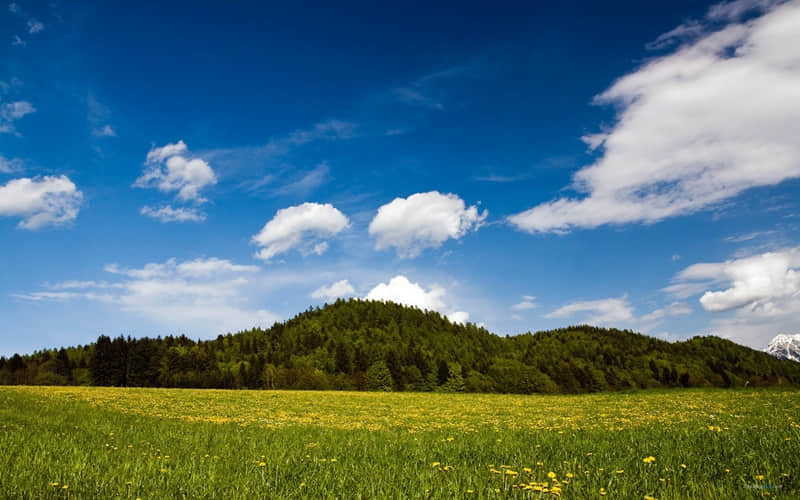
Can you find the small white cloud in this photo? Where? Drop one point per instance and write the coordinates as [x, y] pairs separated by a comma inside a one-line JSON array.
[[157, 155], [423, 220], [10, 165], [341, 288], [169, 214], [169, 168], [301, 227], [35, 26], [13, 7], [603, 311], [460, 317], [16, 41], [40, 201], [13, 111], [104, 131], [401, 291], [528, 302]]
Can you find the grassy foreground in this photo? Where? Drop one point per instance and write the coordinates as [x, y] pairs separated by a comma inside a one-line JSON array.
[[69, 442]]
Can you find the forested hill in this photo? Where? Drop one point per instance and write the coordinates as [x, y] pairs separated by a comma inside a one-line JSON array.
[[368, 345]]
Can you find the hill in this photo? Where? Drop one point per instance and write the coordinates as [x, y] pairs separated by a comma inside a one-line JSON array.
[[365, 345]]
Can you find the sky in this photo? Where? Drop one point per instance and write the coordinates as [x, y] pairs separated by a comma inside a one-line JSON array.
[[200, 168]]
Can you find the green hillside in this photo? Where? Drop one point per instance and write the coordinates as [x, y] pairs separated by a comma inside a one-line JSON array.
[[364, 345]]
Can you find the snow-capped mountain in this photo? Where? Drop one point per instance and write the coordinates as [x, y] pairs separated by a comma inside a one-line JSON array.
[[785, 347]]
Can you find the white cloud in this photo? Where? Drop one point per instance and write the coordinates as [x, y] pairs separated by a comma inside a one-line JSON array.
[[77, 284], [40, 201], [169, 214], [754, 298], [674, 309], [13, 7], [761, 282], [10, 165], [603, 312], [17, 41], [401, 291], [203, 296], [301, 227], [13, 111], [341, 288], [104, 131], [460, 317], [694, 128], [157, 155], [199, 268], [35, 26], [528, 302], [169, 168], [423, 220]]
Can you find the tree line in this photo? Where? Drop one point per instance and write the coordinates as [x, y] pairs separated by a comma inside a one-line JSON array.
[[366, 345]]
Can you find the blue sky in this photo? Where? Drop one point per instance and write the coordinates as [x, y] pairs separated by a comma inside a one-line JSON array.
[[201, 168]]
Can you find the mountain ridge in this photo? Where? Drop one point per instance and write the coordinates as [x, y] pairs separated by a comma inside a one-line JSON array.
[[366, 345]]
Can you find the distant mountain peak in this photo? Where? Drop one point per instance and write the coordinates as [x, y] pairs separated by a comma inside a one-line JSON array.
[[785, 346]]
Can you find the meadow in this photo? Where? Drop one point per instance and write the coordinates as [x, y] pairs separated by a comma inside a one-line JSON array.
[[90, 442]]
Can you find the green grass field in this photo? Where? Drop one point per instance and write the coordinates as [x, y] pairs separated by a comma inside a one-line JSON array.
[[66, 442]]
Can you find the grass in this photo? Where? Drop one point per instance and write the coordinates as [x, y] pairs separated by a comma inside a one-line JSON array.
[[67, 442]]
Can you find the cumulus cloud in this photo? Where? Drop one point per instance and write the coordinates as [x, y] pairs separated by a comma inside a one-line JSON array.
[[341, 288], [40, 201], [402, 291], [762, 282], [528, 302], [301, 227], [695, 127], [202, 296], [13, 111], [171, 168], [601, 312], [169, 214], [460, 317], [759, 293], [423, 220]]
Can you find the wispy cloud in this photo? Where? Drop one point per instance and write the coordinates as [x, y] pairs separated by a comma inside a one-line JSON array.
[[169, 214], [207, 296], [691, 126]]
